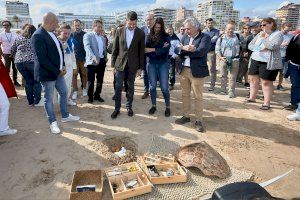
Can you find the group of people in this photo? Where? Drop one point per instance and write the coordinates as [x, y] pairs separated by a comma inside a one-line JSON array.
[[51, 57]]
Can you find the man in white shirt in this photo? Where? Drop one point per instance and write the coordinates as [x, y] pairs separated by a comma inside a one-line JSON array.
[[95, 48], [7, 39], [127, 59], [50, 70]]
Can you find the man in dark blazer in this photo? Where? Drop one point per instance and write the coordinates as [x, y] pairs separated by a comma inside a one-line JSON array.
[[193, 69], [127, 57], [50, 69]]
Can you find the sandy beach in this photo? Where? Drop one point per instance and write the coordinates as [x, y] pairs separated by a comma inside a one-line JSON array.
[[35, 164]]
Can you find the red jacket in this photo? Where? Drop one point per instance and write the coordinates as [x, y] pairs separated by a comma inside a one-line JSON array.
[[6, 82]]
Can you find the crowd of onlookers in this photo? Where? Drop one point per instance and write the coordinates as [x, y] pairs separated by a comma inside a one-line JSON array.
[[51, 57]]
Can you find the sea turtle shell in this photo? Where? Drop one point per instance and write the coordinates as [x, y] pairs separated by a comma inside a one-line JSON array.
[[202, 156]]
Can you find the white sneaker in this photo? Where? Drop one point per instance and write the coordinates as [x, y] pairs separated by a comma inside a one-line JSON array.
[[84, 92], [74, 95], [294, 117], [41, 103], [70, 118], [9, 131], [54, 128], [71, 103]]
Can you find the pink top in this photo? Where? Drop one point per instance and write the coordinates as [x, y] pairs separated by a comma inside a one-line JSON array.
[[6, 41]]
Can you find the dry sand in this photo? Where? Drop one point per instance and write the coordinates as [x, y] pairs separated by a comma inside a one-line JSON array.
[[34, 164]]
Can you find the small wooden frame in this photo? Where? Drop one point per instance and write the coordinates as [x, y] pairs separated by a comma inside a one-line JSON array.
[[128, 172], [180, 173], [87, 177]]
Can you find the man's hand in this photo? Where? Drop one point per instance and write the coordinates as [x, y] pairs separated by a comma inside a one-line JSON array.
[[190, 48], [185, 47], [95, 60], [63, 72], [166, 44]]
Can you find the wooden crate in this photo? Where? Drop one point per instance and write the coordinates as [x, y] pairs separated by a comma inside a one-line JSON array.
[[87, 177], [144, 185], [179, 177]]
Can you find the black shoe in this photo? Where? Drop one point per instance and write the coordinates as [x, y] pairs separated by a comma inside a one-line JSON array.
[[199, 126], [247, 85], [152, 110], [129, 112], [171, 87], [98, 98], [279, 87], [182, 120], [17, 84], [115, 114], [291, 107], [90, 100], [113, 98], [167, 112], [145, 95]]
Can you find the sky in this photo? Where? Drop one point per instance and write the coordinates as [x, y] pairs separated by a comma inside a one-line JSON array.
[[251, 8]]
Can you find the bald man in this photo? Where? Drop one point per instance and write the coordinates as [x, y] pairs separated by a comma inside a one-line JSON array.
[[50, 69]]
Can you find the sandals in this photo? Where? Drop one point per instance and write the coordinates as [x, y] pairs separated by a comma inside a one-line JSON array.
[[265, 107]]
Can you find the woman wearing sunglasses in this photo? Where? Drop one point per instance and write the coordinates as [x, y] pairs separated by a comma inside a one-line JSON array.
[[265, 61]]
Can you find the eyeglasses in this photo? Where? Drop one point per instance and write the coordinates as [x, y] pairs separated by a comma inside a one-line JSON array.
[[262, 25], [5, 25]]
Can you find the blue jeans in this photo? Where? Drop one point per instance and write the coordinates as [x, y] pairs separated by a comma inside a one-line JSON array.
[[120, 76], [145, 77], [295, 80], [62, 90], [33, 88], [171, 63], [160, 71]]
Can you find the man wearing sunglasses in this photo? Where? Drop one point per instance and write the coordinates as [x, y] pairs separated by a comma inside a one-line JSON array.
[[7, 39]]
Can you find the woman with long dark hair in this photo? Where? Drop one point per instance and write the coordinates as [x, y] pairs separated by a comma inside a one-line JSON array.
[[157, 50], [24, 60]]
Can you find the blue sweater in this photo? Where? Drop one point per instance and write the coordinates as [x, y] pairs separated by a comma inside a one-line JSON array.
[[161, 53]]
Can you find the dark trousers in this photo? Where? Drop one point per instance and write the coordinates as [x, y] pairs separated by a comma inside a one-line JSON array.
[[33, 88], [9, 62], [120, 75], [98, 71], [295, 80], [172, 75], [145, 76], [243, 69], [125, 83]]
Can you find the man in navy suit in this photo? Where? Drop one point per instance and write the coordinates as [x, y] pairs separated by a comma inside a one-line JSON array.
[[50, 69], [193, 69]]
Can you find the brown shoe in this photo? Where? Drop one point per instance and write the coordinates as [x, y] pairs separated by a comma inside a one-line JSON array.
[[145, 95]]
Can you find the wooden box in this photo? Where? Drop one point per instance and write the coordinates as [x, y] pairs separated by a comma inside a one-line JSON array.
[[162, 166], [120, 176], [87, 177]]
